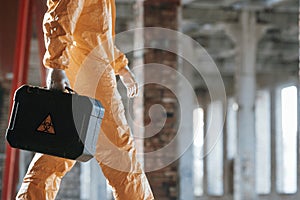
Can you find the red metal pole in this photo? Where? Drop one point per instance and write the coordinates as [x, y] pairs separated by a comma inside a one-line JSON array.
[[20, 71]]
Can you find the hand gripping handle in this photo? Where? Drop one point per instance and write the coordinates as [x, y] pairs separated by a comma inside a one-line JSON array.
[[71, 91]]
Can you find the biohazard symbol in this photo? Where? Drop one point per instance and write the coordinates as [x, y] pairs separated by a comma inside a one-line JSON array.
[[47, 126]]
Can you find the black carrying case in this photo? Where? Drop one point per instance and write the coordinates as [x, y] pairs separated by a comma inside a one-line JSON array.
[[55, 123]]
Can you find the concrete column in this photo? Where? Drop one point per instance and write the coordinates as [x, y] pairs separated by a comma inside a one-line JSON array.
[[186, 166], [274, 139], [246, 35], [138, 61], [205, 102], [92, 181], [245, 97], [227, 163]]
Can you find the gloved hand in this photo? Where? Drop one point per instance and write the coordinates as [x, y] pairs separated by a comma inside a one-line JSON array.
[[57, 80], [129, 81]]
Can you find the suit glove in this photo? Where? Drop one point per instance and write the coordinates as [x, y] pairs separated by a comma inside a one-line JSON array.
[[129, 81]]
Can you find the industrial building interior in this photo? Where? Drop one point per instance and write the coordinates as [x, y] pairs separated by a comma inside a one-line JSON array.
[[217, 116]]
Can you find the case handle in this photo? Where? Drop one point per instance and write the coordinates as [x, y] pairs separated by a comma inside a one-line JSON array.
[[71, 91]]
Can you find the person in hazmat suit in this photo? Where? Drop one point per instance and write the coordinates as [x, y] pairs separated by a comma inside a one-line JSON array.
[[81, 54]]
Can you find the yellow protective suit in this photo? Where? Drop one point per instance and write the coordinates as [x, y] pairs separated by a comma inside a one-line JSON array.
[[78, 38]]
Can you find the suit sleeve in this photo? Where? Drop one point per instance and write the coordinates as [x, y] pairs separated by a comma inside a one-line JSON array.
[[57, 34], [88, 26]]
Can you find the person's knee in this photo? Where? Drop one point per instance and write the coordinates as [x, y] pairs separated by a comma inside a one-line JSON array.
[[48, 165]]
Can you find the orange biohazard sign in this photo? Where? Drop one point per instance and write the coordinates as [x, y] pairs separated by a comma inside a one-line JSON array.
[[47, 126]]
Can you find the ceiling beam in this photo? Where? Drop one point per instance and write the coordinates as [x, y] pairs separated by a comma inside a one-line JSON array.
[[213, 14], [209, 14], [125, 9]]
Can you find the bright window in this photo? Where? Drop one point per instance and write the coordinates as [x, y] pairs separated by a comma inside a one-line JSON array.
[[263, 142], [287, 142], [214, 149], [198, 124]]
